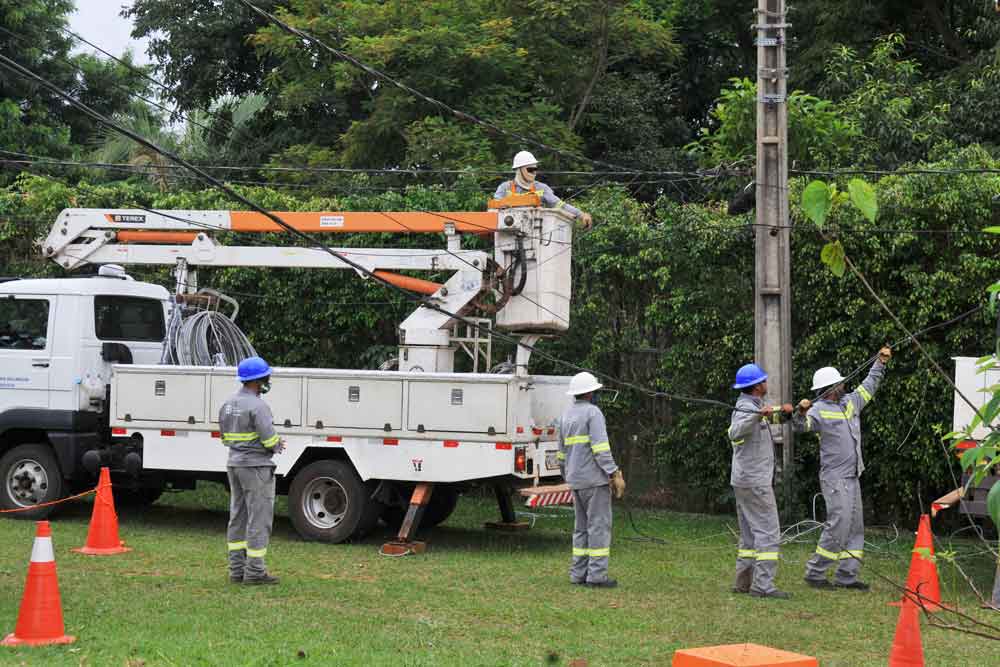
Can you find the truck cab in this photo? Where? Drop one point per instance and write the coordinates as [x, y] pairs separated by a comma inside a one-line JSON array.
[[58, 339]]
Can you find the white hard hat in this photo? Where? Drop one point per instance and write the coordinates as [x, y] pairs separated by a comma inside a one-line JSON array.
[[826, 377], [524, 159], [583, 383]]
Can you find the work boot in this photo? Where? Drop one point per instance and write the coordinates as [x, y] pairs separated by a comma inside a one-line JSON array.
[[821, 584], [854, 586], [740, 589], [263, 579], [776, 594], [582, 582], [607, 583], [236, 578]]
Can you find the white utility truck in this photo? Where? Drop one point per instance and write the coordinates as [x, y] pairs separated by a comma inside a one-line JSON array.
[[975, 384], [82, 386]]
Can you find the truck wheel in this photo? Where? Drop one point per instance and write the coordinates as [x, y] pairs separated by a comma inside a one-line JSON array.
[[327, 501], [137, 498], [31, 476]]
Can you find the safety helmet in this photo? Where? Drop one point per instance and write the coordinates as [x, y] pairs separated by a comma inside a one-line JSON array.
[[252, 368], [583, 383], [524, 159], [826, 377], [748, 376]]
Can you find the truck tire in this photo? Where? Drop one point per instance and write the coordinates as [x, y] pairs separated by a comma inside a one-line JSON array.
[[372, 511], [137, 498], [31, 476], [328, 502], [442, 504]]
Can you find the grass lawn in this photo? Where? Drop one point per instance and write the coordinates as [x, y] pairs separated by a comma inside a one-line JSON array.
[[475, 598]]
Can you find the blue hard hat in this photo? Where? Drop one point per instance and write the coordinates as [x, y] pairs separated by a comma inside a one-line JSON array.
[[252, 368], [749, 375]]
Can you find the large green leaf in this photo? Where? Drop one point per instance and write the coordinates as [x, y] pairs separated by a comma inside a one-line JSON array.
[[863, 196], [993, 504], [833, 256], [816, 202]]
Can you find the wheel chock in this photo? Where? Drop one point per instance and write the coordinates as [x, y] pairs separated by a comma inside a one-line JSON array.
[[507, 526], [397, 548]]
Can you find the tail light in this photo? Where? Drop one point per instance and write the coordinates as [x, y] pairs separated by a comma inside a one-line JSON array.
[[520, 459], [961, 447]]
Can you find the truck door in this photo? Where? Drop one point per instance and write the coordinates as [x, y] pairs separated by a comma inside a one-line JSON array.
[[25, 350]]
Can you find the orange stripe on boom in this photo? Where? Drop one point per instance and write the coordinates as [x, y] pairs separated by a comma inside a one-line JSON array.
[[365, 221], [157, 237], [408, 283]]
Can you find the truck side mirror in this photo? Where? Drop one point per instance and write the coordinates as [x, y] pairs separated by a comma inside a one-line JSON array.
[[116, 353]]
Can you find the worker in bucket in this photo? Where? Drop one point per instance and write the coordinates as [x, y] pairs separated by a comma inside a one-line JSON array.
[[752, 478], [525, 167], [836, 417], [246, 424], [587, 465]]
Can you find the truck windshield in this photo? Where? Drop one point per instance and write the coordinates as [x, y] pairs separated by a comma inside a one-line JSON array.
[[128, 318]]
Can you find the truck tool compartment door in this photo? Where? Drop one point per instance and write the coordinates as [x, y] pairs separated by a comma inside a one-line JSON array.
[[25, 351]]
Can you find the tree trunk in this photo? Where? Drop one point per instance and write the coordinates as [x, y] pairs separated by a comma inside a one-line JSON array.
[[600, 65], [948, 35]]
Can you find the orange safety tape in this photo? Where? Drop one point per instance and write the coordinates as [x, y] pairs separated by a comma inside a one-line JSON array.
[[51, 502]]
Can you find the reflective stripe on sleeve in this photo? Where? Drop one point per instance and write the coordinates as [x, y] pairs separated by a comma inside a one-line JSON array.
[[827, 554], [809, 423], [271, 442], [577, 439], [767, 555], [737, 443], [601, 447], [238, 437], [257, 553], [560, 456], [600, 553], [745, 553], [864, 394], [236, 546]]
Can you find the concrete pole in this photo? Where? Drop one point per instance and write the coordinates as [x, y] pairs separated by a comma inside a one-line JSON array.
[[772, 277]]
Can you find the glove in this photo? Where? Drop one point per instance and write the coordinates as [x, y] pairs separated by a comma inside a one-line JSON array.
[[279, 447], [618, 484], [804, 406], [585, 220], [885, 354]]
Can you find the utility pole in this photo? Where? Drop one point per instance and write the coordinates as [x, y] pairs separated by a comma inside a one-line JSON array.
[[772, 256]]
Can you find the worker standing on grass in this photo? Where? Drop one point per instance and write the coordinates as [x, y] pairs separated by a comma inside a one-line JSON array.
[[525, 167], [752, 478], [247, 429], [836, 417], [587, 465]]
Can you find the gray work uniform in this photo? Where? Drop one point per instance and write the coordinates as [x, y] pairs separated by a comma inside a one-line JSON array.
[[838, 424], [586, 464], [549, 198], [756, 509], [246, 424]]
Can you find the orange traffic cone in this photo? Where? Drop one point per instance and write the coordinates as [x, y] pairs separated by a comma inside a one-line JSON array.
[[40, 620], [102, 538], [907, 651], [923, 576]]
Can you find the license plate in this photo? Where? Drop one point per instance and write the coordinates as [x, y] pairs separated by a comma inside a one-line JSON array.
[[551, 461]]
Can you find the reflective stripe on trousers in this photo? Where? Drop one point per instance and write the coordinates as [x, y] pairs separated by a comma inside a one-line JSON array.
[[591, 534]]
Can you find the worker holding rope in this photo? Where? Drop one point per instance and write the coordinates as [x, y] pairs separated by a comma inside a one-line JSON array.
[[586, 463], [836, 417], [525, 167], [752, 480]]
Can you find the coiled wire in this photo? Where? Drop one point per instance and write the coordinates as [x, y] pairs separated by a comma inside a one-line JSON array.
[[204, 338]]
